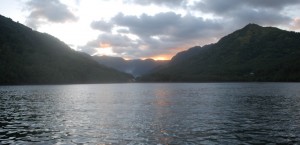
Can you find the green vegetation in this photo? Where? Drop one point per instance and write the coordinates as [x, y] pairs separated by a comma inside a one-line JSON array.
[[253, 53], [30, 57]]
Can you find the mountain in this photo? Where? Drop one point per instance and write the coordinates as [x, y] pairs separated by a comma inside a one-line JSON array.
[[136, 67], [31, 57], [181, 56], [253, 53]]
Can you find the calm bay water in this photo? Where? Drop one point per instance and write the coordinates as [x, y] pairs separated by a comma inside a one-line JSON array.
[[200, 113]]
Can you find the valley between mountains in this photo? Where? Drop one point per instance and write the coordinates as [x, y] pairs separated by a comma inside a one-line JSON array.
[[252, 53]]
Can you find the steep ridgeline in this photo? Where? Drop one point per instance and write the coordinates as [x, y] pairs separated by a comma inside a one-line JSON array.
[[30, 57], [253, 53], [136, 67]]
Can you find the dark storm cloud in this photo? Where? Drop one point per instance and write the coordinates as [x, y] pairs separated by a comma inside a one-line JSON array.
[[43, 11]]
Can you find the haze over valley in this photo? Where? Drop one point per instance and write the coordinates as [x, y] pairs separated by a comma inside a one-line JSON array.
[[253, 53], [147, 29], [149, 72]]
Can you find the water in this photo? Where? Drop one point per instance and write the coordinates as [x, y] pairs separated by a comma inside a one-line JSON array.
[[203, 113]]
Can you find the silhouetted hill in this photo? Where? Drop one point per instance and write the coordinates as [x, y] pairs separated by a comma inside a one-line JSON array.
[[182, 56], [253, 53], [30, 57], [136, 67]]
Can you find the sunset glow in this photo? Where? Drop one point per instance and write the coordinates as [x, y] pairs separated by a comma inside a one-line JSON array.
[[146, 29], [104, 45], [162, 57]]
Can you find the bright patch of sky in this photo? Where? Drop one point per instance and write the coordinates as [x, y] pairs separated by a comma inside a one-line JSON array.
[[147, 28]]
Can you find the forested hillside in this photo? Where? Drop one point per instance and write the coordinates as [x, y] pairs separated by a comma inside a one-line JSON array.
[[253, 53], [31, 57]]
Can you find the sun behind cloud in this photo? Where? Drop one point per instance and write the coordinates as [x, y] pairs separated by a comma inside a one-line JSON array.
[[162, 57], [104, 45], [147, 28]]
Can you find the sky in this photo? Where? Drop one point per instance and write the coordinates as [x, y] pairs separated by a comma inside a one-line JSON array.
[[140, 29]]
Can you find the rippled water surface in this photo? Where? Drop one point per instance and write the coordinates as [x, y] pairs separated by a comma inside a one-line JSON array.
[[204, 113]]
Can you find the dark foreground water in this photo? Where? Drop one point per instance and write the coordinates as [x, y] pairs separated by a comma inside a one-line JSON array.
[[204, 113]]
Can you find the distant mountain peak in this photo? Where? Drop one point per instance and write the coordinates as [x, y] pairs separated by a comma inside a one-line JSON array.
[[245, 34], [252, 25], [136, 67], [256, 27], [252, 53]]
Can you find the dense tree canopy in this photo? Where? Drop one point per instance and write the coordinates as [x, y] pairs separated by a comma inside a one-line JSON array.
[[253, 53], [30, 57]]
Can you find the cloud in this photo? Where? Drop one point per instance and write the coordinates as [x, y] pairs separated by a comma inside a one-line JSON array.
[[237, 13], [167, 26], [260, 16], [295, 24], [163, 33], [274, 4], [221, 7], [119, 44], [102, 26], [43, 11], [169, 3]]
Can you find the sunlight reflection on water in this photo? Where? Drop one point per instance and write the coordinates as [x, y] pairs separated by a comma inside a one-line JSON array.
[[204, 113]]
